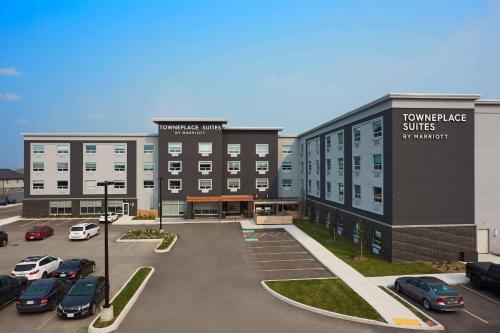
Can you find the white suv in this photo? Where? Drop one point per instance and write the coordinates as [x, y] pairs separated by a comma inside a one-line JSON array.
[[83, 231], [36, 267]]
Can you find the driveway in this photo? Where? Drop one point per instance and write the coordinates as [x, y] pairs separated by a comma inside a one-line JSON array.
[[9, 211]]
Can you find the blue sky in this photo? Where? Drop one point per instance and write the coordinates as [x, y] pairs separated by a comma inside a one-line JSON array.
[[110, 66]]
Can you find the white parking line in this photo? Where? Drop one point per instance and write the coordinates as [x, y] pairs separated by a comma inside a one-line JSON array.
[[277, 241], [254, 254], [480, 294], [51, 316], [27, 223], [475, 316], [291, 269], [63, 222], [283, 260], [263, 247]]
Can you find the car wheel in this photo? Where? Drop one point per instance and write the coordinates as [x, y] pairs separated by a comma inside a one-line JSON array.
[[44, 275], [4, 243], [98, 232], [476, 282], [88, 236], [427, 304], [398, 287], [93, 309], [93, 268]]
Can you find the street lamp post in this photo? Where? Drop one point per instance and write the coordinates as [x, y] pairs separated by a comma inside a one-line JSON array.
[[107, 310], [160, 208]]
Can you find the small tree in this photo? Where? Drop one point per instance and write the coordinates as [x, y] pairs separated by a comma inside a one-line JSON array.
[[334, 224], [361, 238]]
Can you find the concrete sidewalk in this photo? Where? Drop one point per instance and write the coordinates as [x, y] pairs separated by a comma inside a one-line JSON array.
[[489, 257], [450, 278], [9, 220], [389, 308], [128, 220]]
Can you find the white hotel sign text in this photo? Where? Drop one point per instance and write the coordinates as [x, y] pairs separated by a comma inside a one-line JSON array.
[[190, 129], [419, 126]]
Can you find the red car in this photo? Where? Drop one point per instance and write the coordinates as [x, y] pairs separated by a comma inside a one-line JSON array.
[[38, 232]]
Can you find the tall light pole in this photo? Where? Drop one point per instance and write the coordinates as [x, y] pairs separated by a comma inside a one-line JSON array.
[[160, 206], [107, 311]]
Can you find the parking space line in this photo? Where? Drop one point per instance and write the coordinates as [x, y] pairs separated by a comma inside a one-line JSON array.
[[475, 316], [263, 247], [480, 294], [277, 241], [254, 254], [291, 269], [283, 260], [46, 321], [26, 223], [61, 223]]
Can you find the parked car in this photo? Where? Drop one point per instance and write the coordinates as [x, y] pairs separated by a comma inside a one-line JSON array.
[[112, 217], [83, 298], [73, 269], [42, 295], [10, 201], [4, 238], [11, 288], [38, 232], [432, 292], [483, 275], [3, 202], [36, 267], [83, 231]]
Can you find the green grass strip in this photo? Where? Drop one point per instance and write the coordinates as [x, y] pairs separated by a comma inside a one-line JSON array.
[[167, 240]]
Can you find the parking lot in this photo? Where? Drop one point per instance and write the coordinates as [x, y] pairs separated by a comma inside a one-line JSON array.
[[124, 259], [10, 210]]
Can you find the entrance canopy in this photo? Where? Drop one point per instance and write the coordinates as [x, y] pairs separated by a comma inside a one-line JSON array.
[[220, 198]]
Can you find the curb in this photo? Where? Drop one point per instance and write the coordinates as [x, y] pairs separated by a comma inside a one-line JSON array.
[[339, 315], [127, 307], [169, 247], [9, 220]]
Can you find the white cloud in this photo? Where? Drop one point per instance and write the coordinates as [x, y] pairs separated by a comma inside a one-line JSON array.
[[9, 97], [9, 71]]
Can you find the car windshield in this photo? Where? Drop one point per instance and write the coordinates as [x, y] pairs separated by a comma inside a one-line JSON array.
[[82, 289], [77, 229], [37, 289], [35, 229], [442, 288], [69, 265], [24, 267]]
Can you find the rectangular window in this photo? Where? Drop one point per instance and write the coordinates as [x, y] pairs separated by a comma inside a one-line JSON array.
[[286, 166], [38, 185], [38, 149], [341, 189], [377, 194], [90, 207], [233, 166], [204, 184], [328, 188], [357, 135], [91, 184], [149, 148], [316, 144], [90, 166], [357, 191], [205, 166], [119, 184], [60, 207], [286, 183], [262, 183], [340, 138], [328, 165], [149, 166], [174, 147], [357, 162], [328, 141], [149, 184], [377, 162], [233, 183], [174, 166], [309, 167], [317, 187], [287, 149], [233, 148], [63, 149], [317, 167], [262, 149], [175, 184], [119, 166], [38, 166], [301, 149], [62, 166], [120, 149], [90, 149], [115, 206], [377, 128], [62, 184], [309, 186], [341, 164], [262, 165], [377, 238], [205, 147]]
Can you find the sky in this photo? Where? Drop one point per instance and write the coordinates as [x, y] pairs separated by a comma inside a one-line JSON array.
[[111, 66]]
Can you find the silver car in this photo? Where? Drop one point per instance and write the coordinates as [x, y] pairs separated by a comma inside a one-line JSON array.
[[432, 292]]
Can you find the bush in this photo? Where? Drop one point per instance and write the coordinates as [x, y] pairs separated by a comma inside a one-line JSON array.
[[145, 234], [167, 240]]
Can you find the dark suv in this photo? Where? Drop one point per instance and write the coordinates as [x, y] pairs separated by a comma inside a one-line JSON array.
[[4, 238]]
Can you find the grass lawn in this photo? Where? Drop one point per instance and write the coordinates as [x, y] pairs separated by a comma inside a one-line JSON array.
[[122, 299], [346, 250], [167, 240], [329, 294]]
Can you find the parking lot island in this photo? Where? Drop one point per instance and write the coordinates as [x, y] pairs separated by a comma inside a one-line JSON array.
[[165, 240]]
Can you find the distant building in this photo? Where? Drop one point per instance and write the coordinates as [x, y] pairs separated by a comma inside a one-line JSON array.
[[10, 180]]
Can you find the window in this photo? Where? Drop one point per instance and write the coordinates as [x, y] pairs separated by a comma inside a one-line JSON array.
[[149, 166], [357, 162], [120, 149], [377, 194], [63, 149], [149, 148], [356, 231], [262, 165], [90, 207], [233, 148], [261, 183], [357, 135], [233, 166], [233, 183], [377, 238], [38, 185], [328, 165], [377, 128], [328, 140], [287, 149], [174, 166], [90, 149], [357, 191], [90, 184], [174, 147], [341, 164], [317, 167], [301, 149], [286, 183], [173, 208], [341, 189], [119, 184], [115, 206], [62, 184], [205, 148], [90, 166], [60, 207], [262, 148], [309, 186], [62, 166], [149, 184], [175, 184], [286, 166], [328, 188], [340, 138], [316, 144], [38, 166], [119, 166], [205, 166], [317, 187], [204, 184], [38, 149], [377, 162], [309, 167]]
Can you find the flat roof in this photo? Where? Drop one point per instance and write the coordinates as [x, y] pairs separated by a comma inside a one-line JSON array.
[[488, 101], [89, 134], [251, 128], [188, 120]]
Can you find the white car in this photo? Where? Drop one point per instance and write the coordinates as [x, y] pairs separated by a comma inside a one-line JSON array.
[[83, 231], [36, 267], [112, 217]]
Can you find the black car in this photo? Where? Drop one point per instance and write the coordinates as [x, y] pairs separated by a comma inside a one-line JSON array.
[[83, 298], [11, 288], [73, 269], [4, 238], [3, 202], [42, 295]]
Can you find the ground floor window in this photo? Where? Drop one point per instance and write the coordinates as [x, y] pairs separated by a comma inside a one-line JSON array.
[[205, 208], [233, 207], [327, 220], [91, 207], [377, 239], [316, 216], [340, 226], [60, 207], [173, 208], [356, 232], [115, 206]]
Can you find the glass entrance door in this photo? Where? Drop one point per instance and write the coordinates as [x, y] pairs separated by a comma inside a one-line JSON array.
[[125, 208]]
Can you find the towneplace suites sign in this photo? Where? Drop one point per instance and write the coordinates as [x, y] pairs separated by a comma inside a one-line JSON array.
[[190, 129], [422, 126]]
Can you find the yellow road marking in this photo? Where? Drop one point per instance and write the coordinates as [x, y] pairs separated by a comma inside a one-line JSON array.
[[254, 254], [480, 294], [406, 321], [475, 316], [282, 260], [291, 269]]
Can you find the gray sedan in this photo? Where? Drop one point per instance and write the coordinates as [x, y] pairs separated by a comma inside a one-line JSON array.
[[432, 292]]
